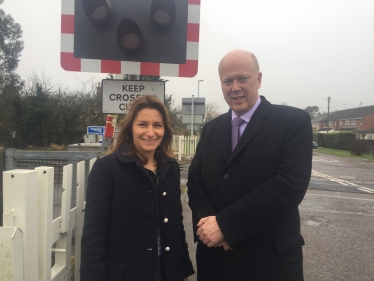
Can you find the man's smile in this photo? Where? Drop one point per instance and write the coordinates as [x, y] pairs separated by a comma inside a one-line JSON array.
[[238, 98]]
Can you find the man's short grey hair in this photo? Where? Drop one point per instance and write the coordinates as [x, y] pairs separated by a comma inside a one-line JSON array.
[[255, 61], [257, 66]]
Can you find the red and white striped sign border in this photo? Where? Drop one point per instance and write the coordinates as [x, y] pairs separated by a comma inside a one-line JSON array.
[[70, 63]]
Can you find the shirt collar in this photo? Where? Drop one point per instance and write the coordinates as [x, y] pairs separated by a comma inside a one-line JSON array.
[[248, 115]]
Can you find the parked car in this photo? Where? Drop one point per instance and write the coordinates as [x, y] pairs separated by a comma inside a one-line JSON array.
[[315, 145]]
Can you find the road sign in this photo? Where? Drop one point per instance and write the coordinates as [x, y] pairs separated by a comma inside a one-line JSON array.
[[95, 130], [198, 119], [195, 127], [118, 94], [105, 56], [199, 105]]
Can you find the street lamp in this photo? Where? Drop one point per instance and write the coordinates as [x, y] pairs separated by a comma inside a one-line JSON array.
[[198, 87]]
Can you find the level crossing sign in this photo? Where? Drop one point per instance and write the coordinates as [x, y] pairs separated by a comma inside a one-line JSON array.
[[118, 94], [104, 54]]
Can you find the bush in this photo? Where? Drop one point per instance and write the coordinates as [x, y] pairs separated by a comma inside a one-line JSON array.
[[315, 137], [358, 147], [341, 141], [320, 140]]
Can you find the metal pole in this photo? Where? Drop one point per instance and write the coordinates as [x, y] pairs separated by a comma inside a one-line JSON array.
[[198, 87], [328, 113], [192, 115], [134, 77]]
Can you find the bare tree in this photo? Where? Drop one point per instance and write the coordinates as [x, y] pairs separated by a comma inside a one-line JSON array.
[[211, 111]]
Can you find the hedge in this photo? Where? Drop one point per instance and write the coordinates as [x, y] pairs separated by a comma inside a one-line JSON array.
[[342, 141]]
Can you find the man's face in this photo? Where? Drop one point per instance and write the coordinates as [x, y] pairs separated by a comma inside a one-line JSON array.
[[240, 81]]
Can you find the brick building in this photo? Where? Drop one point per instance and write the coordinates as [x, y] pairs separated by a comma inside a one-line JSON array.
[[358, 120]]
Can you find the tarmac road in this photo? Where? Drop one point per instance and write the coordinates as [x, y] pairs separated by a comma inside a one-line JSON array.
[[337, 220], [344, 174]]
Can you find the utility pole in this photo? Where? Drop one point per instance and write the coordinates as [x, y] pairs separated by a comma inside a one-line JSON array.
[[328, 113], [192, 115], [198, 87]]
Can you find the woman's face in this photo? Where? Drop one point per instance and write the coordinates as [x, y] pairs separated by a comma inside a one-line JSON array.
[[148, 130]]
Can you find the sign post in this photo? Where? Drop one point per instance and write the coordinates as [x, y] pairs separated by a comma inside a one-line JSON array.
[[192, 114]]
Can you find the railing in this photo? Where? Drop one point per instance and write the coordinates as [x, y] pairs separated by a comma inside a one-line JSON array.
[[187, 147], [30, 159], [33, 246]]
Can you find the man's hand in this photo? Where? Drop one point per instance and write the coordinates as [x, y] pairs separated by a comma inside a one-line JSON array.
[[209, 232], [224, 244]]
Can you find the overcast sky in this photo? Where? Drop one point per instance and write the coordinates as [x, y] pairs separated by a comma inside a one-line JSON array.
[[308, 50]]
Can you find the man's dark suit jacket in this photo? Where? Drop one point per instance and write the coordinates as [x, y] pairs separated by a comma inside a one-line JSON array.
[[254, 192]]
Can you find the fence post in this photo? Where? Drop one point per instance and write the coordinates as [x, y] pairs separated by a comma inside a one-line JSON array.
[[66, 197], [11, 254], [9, 155], [2, 168], [180, 147], [79, 218], [62, 251], [46, 178], [21, 210]]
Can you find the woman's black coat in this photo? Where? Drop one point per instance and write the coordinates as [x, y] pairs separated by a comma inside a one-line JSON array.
[[124, 211]]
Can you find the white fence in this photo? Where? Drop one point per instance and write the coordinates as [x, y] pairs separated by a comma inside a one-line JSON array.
[[185, 145], [33, 246]]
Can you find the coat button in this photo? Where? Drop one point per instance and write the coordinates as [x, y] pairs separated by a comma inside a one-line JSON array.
[[166, 220], [167, 249], [164, 194], [226, 176]]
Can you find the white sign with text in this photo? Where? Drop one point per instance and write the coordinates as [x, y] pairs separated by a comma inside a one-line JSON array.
[[118, 94]]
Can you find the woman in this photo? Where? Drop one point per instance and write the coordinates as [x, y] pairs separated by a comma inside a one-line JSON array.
[[133, 218]]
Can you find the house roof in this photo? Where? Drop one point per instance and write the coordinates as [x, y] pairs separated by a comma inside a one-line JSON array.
[[325, 129], [365, 131], [359, 112], [319, 118], [352, 113], [347, 129]]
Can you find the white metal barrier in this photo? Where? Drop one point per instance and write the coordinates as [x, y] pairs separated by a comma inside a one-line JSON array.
[[187, 147], [30, 235]]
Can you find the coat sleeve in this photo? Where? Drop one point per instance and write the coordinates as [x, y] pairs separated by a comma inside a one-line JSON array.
[[199, 201], [278, 196], [96, 223]]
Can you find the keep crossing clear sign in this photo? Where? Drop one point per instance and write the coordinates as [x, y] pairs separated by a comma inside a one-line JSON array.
[[118, 94]]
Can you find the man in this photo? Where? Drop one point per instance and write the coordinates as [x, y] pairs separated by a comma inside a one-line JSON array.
[[244, 197]]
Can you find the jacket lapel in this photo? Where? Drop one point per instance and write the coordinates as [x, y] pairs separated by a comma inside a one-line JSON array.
[[252, 128], [163, 169], [225, 142]]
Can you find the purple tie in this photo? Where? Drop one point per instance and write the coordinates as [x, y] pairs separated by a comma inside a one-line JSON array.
[[235, 134]]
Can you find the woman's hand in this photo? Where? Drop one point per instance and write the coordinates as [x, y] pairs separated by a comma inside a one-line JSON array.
[[185, 279]]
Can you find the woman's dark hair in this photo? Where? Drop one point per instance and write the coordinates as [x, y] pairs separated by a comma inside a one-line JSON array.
[[125, 137]]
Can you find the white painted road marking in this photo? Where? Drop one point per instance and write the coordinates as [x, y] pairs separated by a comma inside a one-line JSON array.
[[342, 182]]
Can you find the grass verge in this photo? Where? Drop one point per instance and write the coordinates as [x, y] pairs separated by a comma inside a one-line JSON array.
[[343, 153]]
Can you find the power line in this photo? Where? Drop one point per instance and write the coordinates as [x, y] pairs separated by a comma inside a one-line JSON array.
[[344, 102]]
